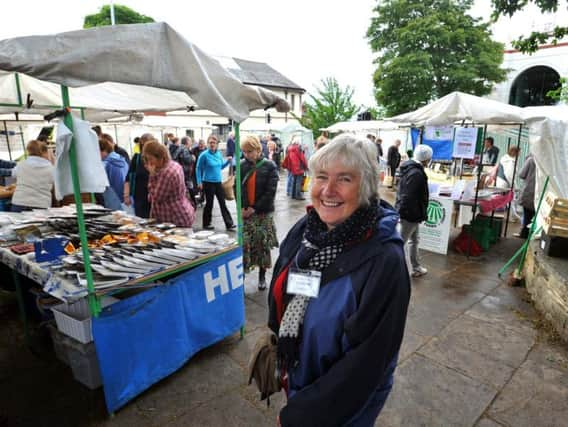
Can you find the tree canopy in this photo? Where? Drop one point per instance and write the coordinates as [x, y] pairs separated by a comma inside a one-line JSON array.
[[429, 48], [122, 15], [530, 43], [330, 105]]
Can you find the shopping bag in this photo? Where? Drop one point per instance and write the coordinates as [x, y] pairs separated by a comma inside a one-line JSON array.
[[305, 183], [228, 187]]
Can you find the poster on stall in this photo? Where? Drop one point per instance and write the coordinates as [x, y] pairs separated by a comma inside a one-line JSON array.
[[435, 231], [439, 138], [464, 143]]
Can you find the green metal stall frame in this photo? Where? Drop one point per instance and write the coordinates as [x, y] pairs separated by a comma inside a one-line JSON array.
[[93, 299]]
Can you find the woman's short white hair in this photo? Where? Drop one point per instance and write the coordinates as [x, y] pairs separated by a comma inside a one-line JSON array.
[[355, 153]]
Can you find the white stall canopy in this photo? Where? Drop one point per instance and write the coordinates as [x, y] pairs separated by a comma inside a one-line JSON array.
[[138, 54], [457, 107]]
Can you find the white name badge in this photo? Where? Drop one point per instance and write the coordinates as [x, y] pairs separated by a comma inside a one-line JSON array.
[[304, 282]]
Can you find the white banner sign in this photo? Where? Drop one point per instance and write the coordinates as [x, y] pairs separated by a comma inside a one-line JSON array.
[[435, 231], [464, 143]]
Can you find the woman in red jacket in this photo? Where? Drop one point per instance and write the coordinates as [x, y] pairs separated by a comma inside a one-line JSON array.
[[296, 164]]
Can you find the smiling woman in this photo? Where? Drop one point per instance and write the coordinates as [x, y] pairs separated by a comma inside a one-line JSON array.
[[339, 293]]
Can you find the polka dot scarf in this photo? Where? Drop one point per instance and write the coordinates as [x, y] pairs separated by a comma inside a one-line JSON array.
[[320, 247]]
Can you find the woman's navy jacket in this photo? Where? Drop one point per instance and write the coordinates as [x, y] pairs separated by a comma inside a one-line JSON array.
[[352, 331]]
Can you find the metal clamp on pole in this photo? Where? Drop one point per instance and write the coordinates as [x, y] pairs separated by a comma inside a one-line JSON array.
[[57, 113]]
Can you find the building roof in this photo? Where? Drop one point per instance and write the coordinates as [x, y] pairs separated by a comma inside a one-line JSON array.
[[258, 73]]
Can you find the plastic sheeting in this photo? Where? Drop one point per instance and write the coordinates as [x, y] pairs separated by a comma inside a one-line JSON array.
[[137, 54], [548, 137], [458, 106], [145, 338], [92, 175]]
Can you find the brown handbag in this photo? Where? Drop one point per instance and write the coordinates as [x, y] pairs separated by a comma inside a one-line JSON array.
[[228, 187], [262, 366]]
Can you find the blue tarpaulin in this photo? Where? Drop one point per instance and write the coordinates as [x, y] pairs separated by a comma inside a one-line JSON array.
[[144, 338]]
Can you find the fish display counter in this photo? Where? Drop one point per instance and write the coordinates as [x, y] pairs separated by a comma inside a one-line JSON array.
[[125, 251]]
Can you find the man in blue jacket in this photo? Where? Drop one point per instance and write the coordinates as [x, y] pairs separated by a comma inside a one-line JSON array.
[[412, 202]]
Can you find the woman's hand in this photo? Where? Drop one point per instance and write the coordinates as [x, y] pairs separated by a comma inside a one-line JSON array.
[[248, 212], [200, 186], [127, 200]]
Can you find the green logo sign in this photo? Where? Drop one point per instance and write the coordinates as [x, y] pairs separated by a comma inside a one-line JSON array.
[[436, 213]]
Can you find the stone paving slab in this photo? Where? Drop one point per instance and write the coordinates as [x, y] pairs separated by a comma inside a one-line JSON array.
[[487, 422], [429, 394], [537, 395], [479, 350], [215, 413], [506, 306]]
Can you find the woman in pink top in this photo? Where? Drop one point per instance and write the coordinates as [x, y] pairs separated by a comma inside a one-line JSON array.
[[166, 187]]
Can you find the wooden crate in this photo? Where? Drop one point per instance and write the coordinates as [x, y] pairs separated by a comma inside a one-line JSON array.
[[555, 215]]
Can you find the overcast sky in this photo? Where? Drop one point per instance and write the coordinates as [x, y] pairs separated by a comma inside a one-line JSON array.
[[306, 40]]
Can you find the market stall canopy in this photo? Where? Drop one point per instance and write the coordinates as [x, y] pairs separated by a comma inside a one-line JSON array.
[[363, 126], [548, 136], [458, 107], [286, 131], [23, 94], [251, 126], [138, 54]]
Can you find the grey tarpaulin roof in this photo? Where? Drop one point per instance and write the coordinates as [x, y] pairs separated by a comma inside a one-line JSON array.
[[261, 74], [137, 54]]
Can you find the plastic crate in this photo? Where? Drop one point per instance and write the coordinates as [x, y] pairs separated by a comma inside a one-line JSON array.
[[481, 234], [74, 319], [84, 363], [494, 224], [58, 343]]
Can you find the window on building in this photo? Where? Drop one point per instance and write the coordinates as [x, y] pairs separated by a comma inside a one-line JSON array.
[[532, 85], [190, 133], [292, 102]]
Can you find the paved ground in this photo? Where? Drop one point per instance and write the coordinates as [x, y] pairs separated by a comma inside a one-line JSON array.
[[472, 356]]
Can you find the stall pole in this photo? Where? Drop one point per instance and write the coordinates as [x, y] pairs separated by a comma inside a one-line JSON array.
[[130, 144], [474, 208], [115, 135], [513, 179], [7, 140], [93, 300], [237, 159], [23, 142], [18, 88]]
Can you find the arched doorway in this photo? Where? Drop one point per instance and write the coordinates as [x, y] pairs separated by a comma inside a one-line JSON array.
[[532, 85]]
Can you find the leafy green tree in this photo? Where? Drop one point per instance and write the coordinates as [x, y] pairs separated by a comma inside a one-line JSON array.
[[429, 48], [330, 105], [122, 15], [561, 93], [530, 43]]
